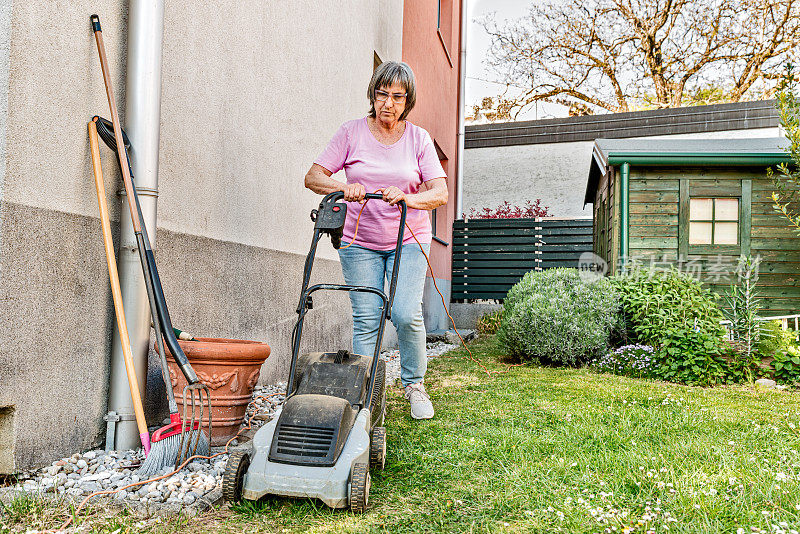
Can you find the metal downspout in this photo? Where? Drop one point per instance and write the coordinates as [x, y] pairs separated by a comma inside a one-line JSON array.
[[142, 120], [462, 63], [623, 233]]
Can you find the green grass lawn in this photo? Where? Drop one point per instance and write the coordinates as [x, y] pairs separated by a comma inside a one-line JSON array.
[[548, 450]]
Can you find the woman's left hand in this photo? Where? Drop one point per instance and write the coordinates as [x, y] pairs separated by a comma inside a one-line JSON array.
[[393, 195]]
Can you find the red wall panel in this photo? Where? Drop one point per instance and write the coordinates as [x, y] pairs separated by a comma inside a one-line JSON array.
[[432, 53]]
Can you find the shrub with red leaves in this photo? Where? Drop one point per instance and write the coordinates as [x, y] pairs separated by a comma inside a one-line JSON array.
[[507, 211]]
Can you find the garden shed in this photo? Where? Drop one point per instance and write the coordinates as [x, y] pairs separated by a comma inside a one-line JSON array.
[[698, 205]]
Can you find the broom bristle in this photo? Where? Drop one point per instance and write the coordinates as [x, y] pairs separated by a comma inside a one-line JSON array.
[[164, 453]]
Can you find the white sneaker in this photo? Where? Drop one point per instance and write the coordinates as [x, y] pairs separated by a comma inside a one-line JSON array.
[[421, 407]]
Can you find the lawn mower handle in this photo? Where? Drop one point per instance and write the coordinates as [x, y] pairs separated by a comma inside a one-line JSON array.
[[325, 224], [336, 195]]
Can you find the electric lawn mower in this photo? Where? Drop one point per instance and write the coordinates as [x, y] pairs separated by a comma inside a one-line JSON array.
[[329, 432]]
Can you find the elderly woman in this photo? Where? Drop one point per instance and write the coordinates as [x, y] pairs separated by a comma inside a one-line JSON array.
[[383, 152]]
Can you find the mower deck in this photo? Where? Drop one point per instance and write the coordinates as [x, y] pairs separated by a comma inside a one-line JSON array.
[[329, 484]]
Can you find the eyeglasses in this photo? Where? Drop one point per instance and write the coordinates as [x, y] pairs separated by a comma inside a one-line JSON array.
[[383, 96]]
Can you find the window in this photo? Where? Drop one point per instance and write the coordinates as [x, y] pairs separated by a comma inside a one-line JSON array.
[[713, 221], [444, 27], [714, 215], [434, 212]]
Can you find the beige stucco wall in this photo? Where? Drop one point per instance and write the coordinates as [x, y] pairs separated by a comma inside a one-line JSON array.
[[553, 172], [253, 101], [5, 46], [252, 91]]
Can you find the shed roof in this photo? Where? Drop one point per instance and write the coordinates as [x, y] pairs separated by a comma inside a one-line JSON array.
[[751, 152]]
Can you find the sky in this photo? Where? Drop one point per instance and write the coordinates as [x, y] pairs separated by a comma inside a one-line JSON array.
[[478, 42]]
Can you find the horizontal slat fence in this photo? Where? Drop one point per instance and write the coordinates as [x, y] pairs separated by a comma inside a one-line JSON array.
[[491, 255]]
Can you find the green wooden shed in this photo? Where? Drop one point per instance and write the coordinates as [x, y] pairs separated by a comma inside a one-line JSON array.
[[697, 204]]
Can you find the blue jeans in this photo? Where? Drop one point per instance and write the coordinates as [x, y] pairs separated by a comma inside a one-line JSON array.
[[373, 268]]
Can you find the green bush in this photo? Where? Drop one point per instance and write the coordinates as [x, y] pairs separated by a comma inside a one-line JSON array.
[[773, 339], [489, 322], [672, 312], [787, 366], [558, 317], [781, 345]]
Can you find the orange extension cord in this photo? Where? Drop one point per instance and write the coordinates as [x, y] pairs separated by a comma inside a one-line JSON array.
[[250, 420]]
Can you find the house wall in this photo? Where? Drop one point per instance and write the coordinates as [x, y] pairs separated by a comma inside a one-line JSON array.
[[252, 92], [433, 55], [655, 231]]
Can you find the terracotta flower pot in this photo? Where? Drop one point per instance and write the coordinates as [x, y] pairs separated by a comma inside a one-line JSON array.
[[230, 369]]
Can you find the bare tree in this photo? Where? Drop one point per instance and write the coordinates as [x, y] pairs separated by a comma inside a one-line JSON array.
[[618, 55]]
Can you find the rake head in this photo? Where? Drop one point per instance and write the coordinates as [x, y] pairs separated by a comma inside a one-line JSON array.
[[196, 400]]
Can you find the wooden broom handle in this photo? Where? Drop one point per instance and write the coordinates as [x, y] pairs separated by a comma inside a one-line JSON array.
[[112, 273], [112, 105]]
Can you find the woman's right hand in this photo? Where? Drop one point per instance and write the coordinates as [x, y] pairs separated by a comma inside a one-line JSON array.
[[354, 192]]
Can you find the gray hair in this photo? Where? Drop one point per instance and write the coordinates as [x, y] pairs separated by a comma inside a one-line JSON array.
[[385, 75]]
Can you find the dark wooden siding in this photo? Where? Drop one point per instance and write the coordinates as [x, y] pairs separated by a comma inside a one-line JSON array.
[[653, 216], [603, 219], [779, 247], [655, 234]]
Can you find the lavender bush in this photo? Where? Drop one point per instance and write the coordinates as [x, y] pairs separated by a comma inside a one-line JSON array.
[[558, 317], [636, 361]]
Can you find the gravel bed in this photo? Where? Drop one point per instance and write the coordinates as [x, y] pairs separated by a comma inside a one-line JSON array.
[[83, 474], [80, 475]]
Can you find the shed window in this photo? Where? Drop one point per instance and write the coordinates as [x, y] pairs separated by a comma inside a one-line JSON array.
[[714, 221], [714, 215]]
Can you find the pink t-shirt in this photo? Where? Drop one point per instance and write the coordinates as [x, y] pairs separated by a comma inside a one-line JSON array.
[[404, 164]]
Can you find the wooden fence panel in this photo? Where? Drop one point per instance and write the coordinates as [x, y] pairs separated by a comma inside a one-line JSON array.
[[491, 255]]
